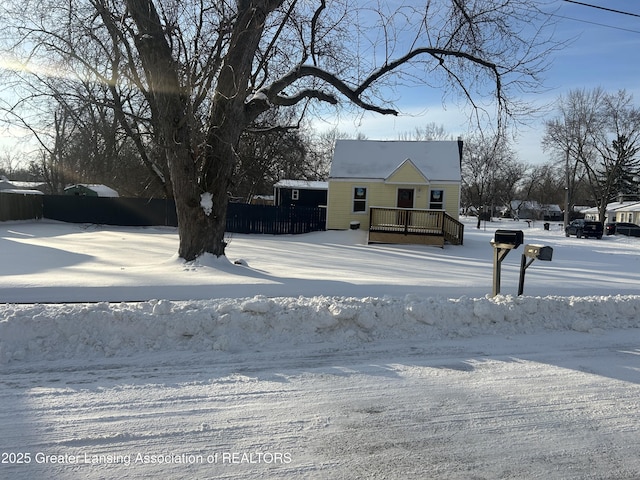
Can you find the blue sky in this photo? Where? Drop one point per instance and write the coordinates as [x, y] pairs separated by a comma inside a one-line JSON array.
[[605, 52]]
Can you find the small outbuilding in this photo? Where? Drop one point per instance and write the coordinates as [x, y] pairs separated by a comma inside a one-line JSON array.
[[301, 193], [90, 190]]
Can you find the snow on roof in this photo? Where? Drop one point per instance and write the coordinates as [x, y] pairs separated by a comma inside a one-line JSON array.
[[101, 190], [551, 207], [28, 185], [525, 205], [612, 207], [436, 160], [534, 205], [629, 207], [23, 191], [306, 184]]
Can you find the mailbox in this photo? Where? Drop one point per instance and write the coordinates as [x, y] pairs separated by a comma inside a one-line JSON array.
[[503, 242], [508, 238], [538, 252], [532, 252]]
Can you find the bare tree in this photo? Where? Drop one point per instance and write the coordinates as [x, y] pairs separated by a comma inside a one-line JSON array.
[[490, 174], [208, 70], [617, 144], [267, 155], [431, 131], [597, 136]]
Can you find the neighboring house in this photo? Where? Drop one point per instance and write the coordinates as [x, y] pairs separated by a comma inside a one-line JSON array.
[[90, 190], [552, 213], [525, 209], [302, 193], [395, 185], [629, 213], [532, 210], [612, 212]]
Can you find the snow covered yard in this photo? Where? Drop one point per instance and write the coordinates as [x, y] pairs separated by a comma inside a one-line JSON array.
[[316, 356]]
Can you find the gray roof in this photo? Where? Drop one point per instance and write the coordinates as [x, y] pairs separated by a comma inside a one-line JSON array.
[[436, 160]]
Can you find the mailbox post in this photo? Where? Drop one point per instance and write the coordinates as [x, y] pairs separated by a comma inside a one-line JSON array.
[[503, 242], [532, 252]]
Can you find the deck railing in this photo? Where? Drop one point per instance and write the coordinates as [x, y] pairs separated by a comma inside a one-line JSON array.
[[409, 221]]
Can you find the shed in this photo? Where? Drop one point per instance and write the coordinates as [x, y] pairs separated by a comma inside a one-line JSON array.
[[302, 193], [90, 190]]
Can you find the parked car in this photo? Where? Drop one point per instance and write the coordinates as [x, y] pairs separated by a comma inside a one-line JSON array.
[[624, 228], [610, 228], [584, 228]]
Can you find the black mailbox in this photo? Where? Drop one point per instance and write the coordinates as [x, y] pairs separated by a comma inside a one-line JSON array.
[[538, 252], [509, 238]]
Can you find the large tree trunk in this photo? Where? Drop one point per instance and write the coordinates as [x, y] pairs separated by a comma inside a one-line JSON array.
[[202, 204], [201, 175]]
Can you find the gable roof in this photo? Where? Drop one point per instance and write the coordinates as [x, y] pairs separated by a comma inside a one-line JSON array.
[[435, 160], [408, 167]]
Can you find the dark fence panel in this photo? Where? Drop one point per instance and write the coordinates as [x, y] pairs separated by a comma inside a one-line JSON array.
[[267, 219], [241, 217], [18, 206], [110, 211]]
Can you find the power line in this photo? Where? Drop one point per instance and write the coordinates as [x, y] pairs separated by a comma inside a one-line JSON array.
[[604, 8], [594, 23]]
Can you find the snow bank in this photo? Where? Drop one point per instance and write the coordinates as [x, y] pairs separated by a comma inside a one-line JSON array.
[[92, 331]]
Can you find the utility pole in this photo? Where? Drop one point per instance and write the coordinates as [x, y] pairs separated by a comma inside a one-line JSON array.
[[566, 190]]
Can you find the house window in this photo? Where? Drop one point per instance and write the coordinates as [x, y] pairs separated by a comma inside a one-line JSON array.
[[359, 199], [295, 194], [436, 199]]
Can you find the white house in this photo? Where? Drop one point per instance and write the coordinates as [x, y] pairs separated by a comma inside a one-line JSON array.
[[629, 213], [612, 211]]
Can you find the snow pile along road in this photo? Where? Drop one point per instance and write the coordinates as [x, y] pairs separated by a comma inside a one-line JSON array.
[[92, 331]]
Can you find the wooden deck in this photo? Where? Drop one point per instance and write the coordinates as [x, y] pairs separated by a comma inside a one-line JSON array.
[[414, 226]]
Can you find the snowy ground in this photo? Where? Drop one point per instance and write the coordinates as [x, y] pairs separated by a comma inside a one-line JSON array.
[[317, 356]]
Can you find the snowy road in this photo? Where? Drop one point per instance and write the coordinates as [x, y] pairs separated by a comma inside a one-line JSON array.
[[549, 405]]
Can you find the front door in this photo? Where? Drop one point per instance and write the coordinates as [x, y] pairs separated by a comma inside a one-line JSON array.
[[405, 198]]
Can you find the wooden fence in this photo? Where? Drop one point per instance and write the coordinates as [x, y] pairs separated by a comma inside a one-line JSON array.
[[110, 211], [18, 206]]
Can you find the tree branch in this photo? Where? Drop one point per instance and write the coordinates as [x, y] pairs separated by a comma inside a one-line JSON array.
[[274, 91]]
